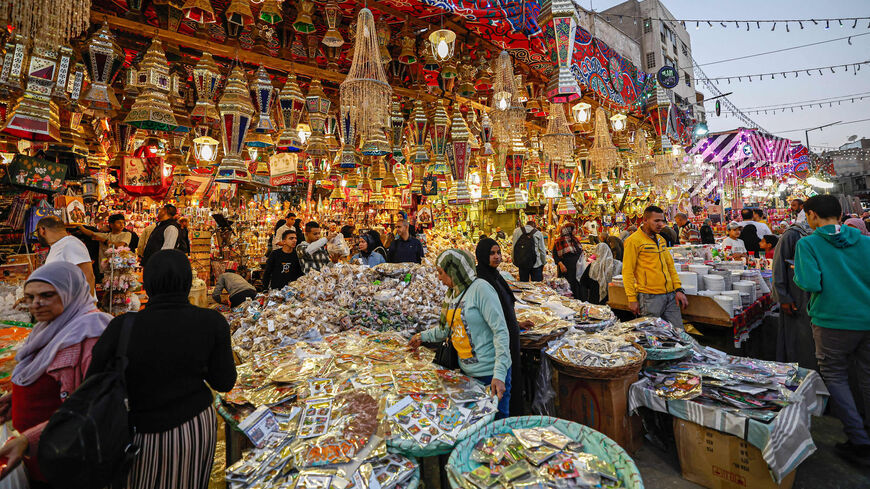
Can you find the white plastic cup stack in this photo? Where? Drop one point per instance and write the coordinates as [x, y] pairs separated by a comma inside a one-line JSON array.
[[689, 281], [714, 282], [700, 269], [747, 286], [726, 302], [726, 274]]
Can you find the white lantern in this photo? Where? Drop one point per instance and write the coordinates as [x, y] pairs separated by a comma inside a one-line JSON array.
[[618, 122], [581, 112]]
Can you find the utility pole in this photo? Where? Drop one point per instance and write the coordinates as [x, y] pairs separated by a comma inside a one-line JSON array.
[[807, 132]]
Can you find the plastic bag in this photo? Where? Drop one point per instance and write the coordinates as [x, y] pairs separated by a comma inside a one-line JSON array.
[[337, 246], [542, 402]]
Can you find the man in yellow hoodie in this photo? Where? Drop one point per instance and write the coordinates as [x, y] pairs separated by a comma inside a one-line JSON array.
[[652, 285]]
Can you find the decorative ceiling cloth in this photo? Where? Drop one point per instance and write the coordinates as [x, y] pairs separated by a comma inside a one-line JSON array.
[[743, 146]]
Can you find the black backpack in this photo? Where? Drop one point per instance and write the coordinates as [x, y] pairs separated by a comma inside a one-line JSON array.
[[88, 442], [525, 254]]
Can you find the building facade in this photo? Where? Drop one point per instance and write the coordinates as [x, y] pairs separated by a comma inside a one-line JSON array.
[[852, 165], [663, 42]]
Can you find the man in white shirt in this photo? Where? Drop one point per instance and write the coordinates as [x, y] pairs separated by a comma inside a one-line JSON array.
[[761, 229], [51, 231], [733, 241]]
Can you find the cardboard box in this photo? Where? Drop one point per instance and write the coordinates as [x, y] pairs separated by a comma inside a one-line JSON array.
[[720, 461]]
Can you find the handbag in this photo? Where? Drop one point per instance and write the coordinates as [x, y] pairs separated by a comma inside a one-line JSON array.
[[446, 355]]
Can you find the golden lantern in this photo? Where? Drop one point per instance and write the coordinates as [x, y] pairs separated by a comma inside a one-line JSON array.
[[236, 111], [603, 154], [151, 109], [239, 13], [408, 54], [206, 79], [581, 112], [270, 12], [35, 116], [199, 11], [304, 23], [442, 42], [104, 60], [332, 13]]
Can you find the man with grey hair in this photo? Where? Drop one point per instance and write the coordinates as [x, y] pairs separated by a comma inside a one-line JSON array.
[[51, 231], [689, 233], [405, 248]]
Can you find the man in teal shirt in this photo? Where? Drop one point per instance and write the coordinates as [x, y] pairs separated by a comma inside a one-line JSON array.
[[829, 264]]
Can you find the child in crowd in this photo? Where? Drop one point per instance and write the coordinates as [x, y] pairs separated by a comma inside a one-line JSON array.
[[733, 241], [767, 244]]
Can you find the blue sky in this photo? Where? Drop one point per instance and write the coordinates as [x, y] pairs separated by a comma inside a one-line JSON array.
[[715, 43]]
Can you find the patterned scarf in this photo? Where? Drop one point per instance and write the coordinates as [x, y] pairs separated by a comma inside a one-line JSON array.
[[459, 265]]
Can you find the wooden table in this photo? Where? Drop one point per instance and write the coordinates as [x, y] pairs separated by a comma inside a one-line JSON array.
[[703, 310]]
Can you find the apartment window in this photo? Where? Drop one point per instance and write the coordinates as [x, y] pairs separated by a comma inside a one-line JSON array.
[[647, 26], [687, 79], [685, 49], [669, 62], [650, 60], [860, 183]]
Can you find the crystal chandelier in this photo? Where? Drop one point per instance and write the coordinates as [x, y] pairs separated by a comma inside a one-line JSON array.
[[52, 22], [558, 143], [365, 91], [603, 153]]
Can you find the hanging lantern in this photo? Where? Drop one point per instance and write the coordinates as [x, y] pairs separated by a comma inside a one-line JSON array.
[[485, 192], [418, 173], [460, 137], [486, 133], [318, 106], [438, 139], [177, 96], [483, 82], [292, 105], [332, 12], [566, 206], [199, 11], [14, 61], [504, 91], [304, 23], [618, 122], [417, 128], [376, 144], [397, 128], [122, 134], [400, 171], [64, 67], [384, 36], [35, 115], [270, 12], [466, 77], [408, 55], [349, 157], [104, 60], [449, 70], [443, 42], [581, 112], [236, 111], [365, 92], [263, 94], [239, 13], [151, 109], [563, 86], [206, 79]]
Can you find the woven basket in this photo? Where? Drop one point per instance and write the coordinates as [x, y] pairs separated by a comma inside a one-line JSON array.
[[414, 481], [527, 343], [411, 448], [588, 372], [593, 442]]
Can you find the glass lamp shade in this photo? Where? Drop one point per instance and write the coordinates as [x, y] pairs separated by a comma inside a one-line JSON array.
[[270, 12], [442, 42], [617, 121], [199, 11], [103, 59], [417, 129], [236, 111], [318, 107], [206, 79], [438, 134], [332, 13], [263, 94], [581, 112], [292, 106], [205, 149], [550, 190], [408, 54]]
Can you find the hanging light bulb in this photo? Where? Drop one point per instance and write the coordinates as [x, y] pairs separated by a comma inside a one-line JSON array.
[[581, 112], [618, 122], [443, 41]]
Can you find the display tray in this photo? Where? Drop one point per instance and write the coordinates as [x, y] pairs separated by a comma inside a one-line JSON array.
[[593, 442]]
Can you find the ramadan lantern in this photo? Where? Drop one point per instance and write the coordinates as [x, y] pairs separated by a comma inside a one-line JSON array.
[[199, 11], [206, 79], [397, 128], [236, 111], [151, 109], [263, 94], [35, 116], [460, 140], [103, 59], [347, 130], [417, 128], [292, 106], [560, 14], [438, 135]]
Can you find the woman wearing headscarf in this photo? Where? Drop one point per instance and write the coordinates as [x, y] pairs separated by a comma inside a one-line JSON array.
[[371, 251], [858, 224], [471, 315], [707, 236], [601, 273], [175, 349], [488, 254], [53, 360], [566, 252]]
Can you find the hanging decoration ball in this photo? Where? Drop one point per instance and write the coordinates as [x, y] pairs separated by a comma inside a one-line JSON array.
[[199, 11], [443, 42]]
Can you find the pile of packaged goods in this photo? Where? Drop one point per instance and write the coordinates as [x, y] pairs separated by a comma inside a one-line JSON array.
[[402, 297], [314, 407], [608, 348], [528, 458]]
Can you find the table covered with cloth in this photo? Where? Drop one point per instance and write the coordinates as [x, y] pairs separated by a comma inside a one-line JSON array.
[[784, 442]]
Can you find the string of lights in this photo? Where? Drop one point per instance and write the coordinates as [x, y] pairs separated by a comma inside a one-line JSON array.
[[729, 106], [825, 99], [792, 107], [856, 67], [775, 51], [749, 23], [807, 128]]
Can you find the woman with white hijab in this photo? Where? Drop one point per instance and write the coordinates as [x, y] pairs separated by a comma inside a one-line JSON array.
[[53, 360], [601, 271]]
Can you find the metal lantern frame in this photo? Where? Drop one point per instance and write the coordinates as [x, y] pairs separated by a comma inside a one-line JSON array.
[[442, 43]]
